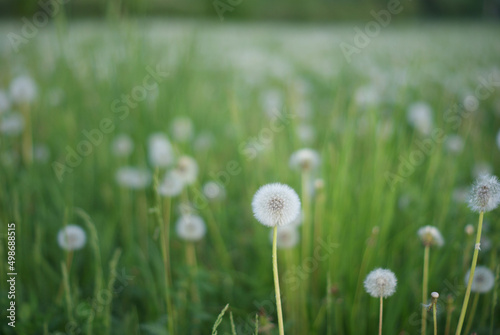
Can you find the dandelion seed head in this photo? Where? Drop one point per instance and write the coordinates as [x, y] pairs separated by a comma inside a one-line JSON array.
[[187, 169], [275, 205], [191, 227], [483, 281], [23, 89], [12, 124], [122, 146], [182, 129], [4, 102], [381, 283], [420, 117], [71, 237], [469, 229], [305, 159], [160, 150], [214, 191], [485, 194], [430, 235], [435, 295], [133, 178], [171, 185]]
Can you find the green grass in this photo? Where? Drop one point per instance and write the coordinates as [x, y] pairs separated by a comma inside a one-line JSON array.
[[217, 75]]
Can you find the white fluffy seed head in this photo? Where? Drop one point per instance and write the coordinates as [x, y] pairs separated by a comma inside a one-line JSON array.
[[420, 117], [187, 169], [434, 295], [275, 205], [23, 89], [304, 159], [214, 191], [171, 185], [288, 237], [483, 281], [191, 227], [71, 237], [381, 283], [122, 146], [160, 150], [133, 178], [485, 194], [469, 229], [182, 129], [430, 235], [12, 124]]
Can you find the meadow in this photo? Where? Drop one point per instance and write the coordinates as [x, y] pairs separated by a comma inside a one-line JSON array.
[[402, 128]]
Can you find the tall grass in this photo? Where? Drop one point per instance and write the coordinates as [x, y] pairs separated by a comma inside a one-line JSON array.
[[218, 75]]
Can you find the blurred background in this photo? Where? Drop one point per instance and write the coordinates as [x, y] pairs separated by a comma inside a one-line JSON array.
[[315, 10]]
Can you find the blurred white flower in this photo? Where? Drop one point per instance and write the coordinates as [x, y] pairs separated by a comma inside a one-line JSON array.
[[171, 185], [71, 237], [122, 145], [471, 103], [191, 227], [41, 153], [271, 101], [133, 178], [287, 236], [483, 281], [306, 133], [23, 89], [305, 159], [367, 95], [12, 124], [431, 236], [454, 143], [214, 191], [204, 141], [187, 169], [182, 129], [4, 102], [161, 153], [420, 117]]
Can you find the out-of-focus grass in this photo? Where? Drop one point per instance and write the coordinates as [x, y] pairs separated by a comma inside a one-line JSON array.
[[220, 76]]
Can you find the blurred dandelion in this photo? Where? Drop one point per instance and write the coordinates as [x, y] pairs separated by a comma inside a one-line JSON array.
[[161, 153], [133, 178], [71, 237], [122, 145], [23, 89]]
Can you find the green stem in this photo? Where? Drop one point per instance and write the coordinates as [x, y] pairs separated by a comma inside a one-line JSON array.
[[472, 313], [164, 243], [471, 276], [434, 317], [380, 316], [277, 282], [424, 289]]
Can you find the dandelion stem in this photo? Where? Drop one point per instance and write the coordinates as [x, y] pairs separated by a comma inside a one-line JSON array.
[[424, 288], [472, 313], [164, 243], [380, 316], [277, 282], [434, 318], [471, 276]]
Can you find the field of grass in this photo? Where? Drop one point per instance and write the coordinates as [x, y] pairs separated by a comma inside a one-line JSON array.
[[402, 130]]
